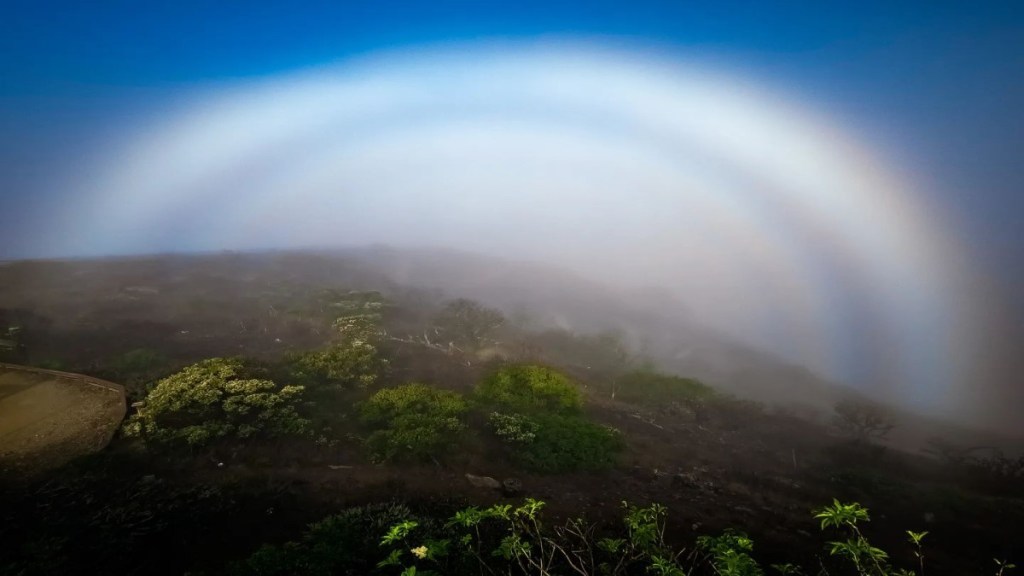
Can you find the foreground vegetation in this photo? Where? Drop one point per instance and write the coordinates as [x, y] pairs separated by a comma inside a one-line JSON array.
[[517, 539]]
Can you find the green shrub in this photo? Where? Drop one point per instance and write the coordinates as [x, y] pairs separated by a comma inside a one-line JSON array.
[[343, 544], [214, 399], [512, 539], [514, 428], [467, 323], [136, 369], [343, 365], [138, 361], [730, 553], [648, 387], [413, 422], [352, 361], [553, 443], [530, 389]]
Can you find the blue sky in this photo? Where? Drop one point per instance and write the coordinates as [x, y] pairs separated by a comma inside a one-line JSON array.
[[938, 80]]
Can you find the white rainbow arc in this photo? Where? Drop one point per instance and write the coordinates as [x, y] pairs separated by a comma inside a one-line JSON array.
[[623, 164]]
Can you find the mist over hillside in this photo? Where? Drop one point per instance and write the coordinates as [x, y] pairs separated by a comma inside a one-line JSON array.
[[652, 322], [305, 380], [655, 322]]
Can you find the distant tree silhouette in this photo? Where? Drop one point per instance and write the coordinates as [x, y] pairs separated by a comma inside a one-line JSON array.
[[467, 323], [862, 422]]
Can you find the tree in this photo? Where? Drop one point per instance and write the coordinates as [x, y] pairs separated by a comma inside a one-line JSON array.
[[861, 421], [949, 453], [467, 323], [213, 400]]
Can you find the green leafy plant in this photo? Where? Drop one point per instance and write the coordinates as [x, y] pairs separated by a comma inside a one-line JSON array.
[[467, 323], [515, 539], [916, 538], [342, 365], [513, 428], [213, 400], [540, 420], [353, 361], [413, 422], [341, 544], [564, 443], [867, 559], [529, 389], [1002, 566], [650, 387], [411, 558], [518, 537], [730, 554]]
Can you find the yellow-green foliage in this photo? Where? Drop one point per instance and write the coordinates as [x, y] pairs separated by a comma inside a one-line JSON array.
[[214, 400], [530, 388], [341, 365], [648, 387], [521, 539], [413, 422], [539, 418], [353, 361]]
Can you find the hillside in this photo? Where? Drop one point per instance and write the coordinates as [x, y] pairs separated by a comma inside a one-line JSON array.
[[280, 389]]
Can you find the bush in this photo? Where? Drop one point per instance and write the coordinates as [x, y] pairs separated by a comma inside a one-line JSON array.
[[214, 399], [530, 389], [138, 361], [467, 323], [730, 552], [540, 420], [342, 544], [513, 427], [553, 443], [519, 539], [137, 368], [648, 387], [343, 365], [413, 422]]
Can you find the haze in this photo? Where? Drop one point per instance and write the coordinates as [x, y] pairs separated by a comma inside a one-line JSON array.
[[818, 216]]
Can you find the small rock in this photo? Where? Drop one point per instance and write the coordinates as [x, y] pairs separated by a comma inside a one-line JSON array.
[[683, 480], [483, 481], [511, 487]]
